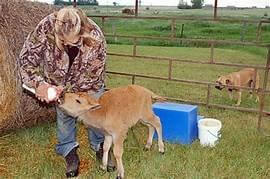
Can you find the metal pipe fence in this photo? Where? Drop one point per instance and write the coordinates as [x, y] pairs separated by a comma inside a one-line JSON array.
[[171, 61]]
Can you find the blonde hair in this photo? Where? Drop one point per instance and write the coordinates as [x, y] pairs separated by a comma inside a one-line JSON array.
[[73, 22], [68, 22]]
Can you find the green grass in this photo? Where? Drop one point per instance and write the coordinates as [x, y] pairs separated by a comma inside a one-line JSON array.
[[173, 11], [241, 153], [192, 29]]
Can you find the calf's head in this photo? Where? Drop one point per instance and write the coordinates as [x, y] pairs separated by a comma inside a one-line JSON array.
[[75, 104]]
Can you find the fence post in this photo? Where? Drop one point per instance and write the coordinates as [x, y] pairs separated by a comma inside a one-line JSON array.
[[170, 70], [133, 79], [208, 95], [173, 28], [103, 24], [243, 31], [114, 32], [212, 52], [182, 31], [215, 9], [136, 8], [259, 30], [134, 46], [262, 93]]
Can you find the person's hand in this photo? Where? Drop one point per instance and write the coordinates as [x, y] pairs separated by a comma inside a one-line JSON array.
[[59, 90], [42, 92]]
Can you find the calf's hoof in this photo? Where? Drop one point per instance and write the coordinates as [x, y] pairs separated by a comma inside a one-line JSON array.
[[118, 177], [162, 153], [103, 167], [108, 168], [148, 146], [161, 150], [111, 168], [146, 149]]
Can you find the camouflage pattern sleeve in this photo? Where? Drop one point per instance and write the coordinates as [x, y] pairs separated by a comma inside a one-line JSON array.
[[95, 72], [31, 57], [98, 67]]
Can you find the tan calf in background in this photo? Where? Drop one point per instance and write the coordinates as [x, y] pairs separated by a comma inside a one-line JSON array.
[[247, 77], [114, 113]]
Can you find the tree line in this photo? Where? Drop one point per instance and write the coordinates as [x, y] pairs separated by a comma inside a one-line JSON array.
[[195, 4], [79, 2]]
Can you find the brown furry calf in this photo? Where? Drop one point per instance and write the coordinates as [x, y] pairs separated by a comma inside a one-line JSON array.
[[114, 113]]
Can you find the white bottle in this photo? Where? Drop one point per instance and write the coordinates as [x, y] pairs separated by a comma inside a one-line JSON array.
[[51, 93]]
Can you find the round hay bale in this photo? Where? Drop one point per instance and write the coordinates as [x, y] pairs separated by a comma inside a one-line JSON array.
[[17, 108], [128, 11], [7, 83]]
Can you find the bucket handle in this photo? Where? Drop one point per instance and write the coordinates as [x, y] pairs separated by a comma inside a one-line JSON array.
[[218, 136]]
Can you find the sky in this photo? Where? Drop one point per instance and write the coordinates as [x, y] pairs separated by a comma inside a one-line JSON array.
[[221, 3]]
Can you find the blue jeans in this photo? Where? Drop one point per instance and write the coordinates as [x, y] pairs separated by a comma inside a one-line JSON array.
[[66, 132]]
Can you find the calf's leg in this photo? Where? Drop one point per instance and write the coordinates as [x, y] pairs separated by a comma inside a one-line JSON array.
[[106, 147], [154, 121], [118, 152], [151, 131]]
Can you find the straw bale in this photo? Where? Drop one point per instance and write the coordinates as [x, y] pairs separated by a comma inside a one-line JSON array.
[[128, 11], [18, 108]]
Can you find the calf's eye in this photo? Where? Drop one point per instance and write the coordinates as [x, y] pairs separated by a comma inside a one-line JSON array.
[[78, 101]]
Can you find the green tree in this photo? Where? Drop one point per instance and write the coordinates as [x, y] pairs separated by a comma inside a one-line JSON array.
[[197, 4], [87, 2], [79, 2], [183, 5]]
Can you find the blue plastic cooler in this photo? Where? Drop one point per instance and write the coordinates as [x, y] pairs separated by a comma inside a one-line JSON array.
[[179, 122]]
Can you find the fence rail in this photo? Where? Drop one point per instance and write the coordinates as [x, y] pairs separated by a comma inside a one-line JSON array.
[[215, 42], [208, 84], [212, 43], [211, 62], [181, 18]]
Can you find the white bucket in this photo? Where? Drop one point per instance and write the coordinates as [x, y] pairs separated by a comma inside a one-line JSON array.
[[209, 131]]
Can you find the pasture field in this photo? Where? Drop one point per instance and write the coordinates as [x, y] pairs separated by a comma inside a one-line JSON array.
[[243, 152], [192, 29], [253, 13], [180, 70]]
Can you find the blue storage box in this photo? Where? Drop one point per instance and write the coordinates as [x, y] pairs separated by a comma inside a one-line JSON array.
[[179, 122]]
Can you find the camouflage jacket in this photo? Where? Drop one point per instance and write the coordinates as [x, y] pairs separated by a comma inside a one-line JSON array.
[[41, 60]]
